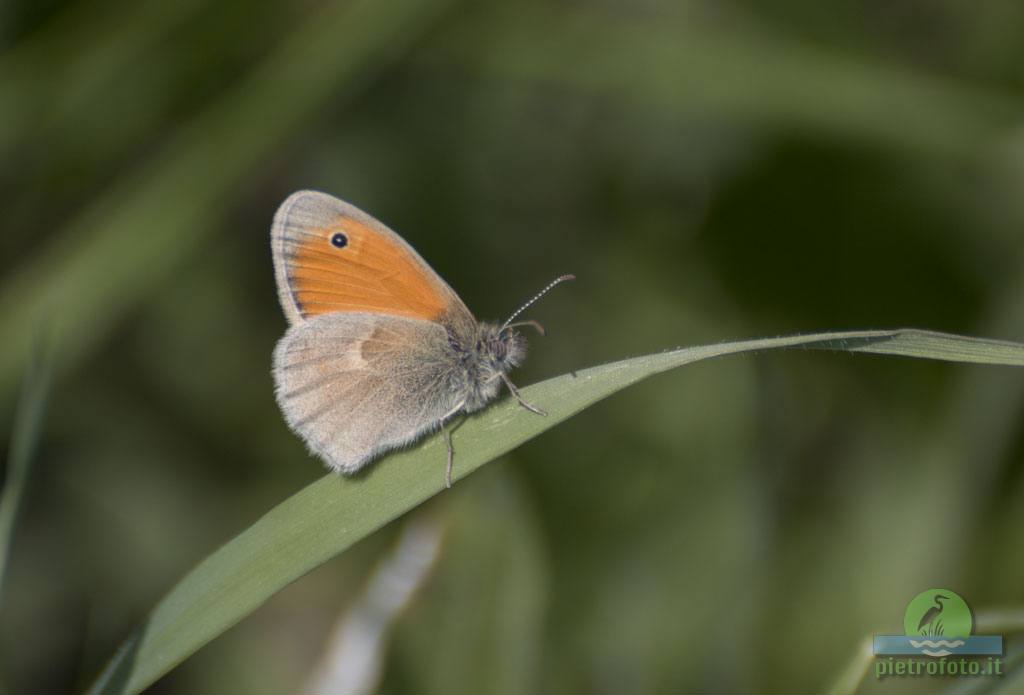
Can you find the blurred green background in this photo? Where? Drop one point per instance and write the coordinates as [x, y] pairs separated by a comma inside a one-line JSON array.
[[709, 170]]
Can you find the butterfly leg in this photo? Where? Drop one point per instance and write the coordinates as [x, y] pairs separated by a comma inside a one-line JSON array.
[[448, 442], [451, 458], [515, 392]]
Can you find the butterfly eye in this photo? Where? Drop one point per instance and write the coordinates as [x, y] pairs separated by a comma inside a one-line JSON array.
[[339, 241]]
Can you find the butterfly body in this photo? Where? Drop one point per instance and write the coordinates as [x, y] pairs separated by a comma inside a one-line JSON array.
[[379, 349], [485, 357]]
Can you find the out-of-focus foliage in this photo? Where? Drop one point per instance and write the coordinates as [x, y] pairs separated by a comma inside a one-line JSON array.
[[709, 170]]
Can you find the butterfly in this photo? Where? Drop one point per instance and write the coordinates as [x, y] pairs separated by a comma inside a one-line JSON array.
[[379, 349]]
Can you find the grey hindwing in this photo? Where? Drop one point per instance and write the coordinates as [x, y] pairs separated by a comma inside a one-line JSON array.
[[356, 385]]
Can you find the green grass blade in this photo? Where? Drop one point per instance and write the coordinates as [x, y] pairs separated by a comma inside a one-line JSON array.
[[992, 621], [28, 422], [853, 674], [331, 514]]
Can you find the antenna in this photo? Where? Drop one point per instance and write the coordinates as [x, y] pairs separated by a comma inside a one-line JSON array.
[[524, 307]]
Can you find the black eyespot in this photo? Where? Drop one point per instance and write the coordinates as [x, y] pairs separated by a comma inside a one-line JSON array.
[[339, 240]]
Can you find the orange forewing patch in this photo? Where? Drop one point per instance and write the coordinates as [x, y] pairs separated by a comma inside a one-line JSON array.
[[371, 273]]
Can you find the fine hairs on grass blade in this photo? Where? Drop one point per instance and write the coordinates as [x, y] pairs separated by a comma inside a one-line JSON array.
[[331, 514], [28, 422]]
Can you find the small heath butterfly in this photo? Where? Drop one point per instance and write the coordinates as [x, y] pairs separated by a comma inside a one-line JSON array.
[[379, 349]]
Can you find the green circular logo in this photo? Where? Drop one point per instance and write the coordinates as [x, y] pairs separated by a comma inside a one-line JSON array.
[[938, 612]]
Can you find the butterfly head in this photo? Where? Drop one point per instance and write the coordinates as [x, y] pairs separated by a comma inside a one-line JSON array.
[[495, 351], [500, 348]]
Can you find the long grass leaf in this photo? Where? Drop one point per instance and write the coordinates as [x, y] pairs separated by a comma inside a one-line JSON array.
[[331, 514], [28, 422]]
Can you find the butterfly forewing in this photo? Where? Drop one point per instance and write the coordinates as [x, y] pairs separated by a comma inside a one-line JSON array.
[[331, 257]]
